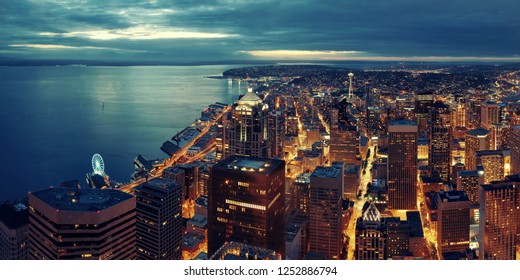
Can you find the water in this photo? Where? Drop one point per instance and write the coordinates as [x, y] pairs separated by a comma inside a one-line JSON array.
[[55, 118]]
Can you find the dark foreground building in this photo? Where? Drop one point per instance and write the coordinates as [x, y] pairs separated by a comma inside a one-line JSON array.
[[81, 224], [246, 203]]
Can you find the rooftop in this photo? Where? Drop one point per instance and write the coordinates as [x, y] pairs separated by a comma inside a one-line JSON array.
[[303, 178], [14, 215], [202, 201], [249, 164], [414, 218], [478, 132], [468, 173], [250, 98], [490, 153], [326, 172], [453, 196], [160, 183], [241, 251], [199, 221], [372, 214], [190, 240], [90, 200]]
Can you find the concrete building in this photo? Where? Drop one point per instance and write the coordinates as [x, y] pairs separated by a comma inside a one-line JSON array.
[[453, 221], [14, 224], [72, 224], [325, 219], [247, 203], [159, 220], [469, 181], [515, 149], [344, 144], [493, 163], [248, 133], [402, 165], [476, 140], [439, 157], [500, 219]]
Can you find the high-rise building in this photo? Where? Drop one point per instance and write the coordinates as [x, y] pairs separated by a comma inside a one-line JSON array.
[[300, 193], [14, 223], [500, 219], [439, 158], [159, 220], [469, 181], [276, 134], [402, 165], [325, 219], [248, 129], [423, 102], [453, 221], [344, 144], [379, 238], [476, 140], [489, 114], [370, 235], [246, 203], [493, 164], [498, 136], [461, 112], [515, 149], [221, 138], [73, 224]]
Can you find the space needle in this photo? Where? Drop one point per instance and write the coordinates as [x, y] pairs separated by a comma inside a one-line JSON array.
[[350, 91]]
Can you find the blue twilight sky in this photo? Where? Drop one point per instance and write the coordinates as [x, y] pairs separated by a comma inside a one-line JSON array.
[[198, 31]]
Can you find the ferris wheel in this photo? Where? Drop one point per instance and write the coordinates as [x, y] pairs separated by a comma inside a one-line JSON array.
[[98, 165]]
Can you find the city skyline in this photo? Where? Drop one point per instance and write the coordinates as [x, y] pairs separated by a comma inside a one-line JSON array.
[[260, 130], [186, 32]]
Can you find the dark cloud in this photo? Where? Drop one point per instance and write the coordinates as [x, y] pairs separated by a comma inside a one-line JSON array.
[[375, 28]]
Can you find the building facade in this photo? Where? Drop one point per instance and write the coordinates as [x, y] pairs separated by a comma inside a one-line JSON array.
[[159, 220], [248, 133], [453, 221], [476, 140], [439, 157], [325, 219], [402, 165], [73, 224], [246, 203], [499, 219]]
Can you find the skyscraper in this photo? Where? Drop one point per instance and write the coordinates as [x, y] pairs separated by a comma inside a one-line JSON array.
[[515, 149], [423, 102], [493, 164], [73, 224], [246, 203], [439, 158], [14, 223], [476, 140], [159, 220], [276, 134], [402, 165], [469, 181], [325, 220], [248, 128], [453, 221], [371, 237], [500, 219], [489, 114], [344, 144]]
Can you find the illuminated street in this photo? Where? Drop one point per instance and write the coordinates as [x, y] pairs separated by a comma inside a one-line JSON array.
[[358, 205]]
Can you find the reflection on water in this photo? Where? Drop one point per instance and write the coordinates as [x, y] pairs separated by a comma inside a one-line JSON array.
[[55, 118]]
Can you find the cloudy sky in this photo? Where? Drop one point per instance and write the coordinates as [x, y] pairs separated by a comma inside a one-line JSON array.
[[200, 31]]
